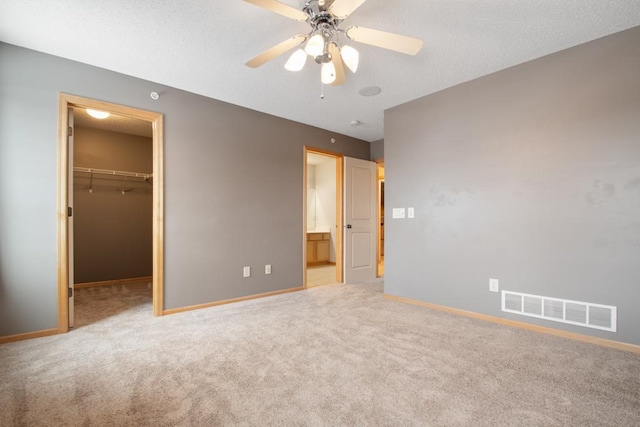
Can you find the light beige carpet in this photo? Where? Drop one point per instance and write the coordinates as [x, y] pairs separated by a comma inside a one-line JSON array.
[[332, 355]]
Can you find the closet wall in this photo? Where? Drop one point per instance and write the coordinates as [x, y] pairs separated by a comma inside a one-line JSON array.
[[311, 197], [326, 201], [112, 215]]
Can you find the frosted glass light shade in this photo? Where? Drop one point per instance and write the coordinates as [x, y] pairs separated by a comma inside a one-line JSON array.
[[315, 45], [296, 60], [98, 114], [351, 57], [328, 73]]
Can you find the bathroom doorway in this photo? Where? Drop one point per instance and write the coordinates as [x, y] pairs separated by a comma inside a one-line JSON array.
[[323, 218]]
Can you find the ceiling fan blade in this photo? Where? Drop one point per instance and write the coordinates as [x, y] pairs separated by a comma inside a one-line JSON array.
[[337, 63], [344, 8], [403, 44], [280, 8], [276, 51]]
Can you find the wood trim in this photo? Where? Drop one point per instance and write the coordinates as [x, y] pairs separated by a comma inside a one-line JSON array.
[[29, 335], [380, 164], [63, 200], [64, 102], [231, 301], [113, 282], [158, 215], [339, 219], [305, 151], [319, 263], [379, 179], [122, 110], [522, 325], [323, 151]]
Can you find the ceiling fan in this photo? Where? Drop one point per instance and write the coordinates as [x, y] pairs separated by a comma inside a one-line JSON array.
[[323, 42]]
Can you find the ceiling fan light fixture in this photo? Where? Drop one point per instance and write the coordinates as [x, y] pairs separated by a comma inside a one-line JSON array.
[[315, 45], [324, 18], [351, 57], [296, 61], [328, 73]]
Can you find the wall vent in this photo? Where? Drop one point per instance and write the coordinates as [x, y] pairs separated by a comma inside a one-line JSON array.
[[586, 314]]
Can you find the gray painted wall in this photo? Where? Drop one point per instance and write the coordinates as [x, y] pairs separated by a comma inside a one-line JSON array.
[[233, 187], [112, 231], [376, 150], [531, 176]]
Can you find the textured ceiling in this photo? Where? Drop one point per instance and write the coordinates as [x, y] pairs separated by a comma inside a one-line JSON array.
[[201, 46]]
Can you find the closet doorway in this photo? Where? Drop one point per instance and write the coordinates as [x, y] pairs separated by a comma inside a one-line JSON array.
[[323, 250], [110, 201]]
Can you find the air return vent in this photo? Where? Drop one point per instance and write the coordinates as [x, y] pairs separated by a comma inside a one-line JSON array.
[[586, 314]]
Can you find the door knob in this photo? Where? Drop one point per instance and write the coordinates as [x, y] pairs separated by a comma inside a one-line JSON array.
[[349, 226]]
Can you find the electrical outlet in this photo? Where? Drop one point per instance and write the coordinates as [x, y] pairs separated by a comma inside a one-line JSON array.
[[267, 269], [494, 285], [246, 272]]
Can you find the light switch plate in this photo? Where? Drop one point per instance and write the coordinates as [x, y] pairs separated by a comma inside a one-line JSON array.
[[494, 285], [411, 213], [246, 272], [267, 269], [397, 213]]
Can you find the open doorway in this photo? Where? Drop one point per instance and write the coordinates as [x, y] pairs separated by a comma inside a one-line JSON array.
[[112, 197], [323, 218], [125, 181]]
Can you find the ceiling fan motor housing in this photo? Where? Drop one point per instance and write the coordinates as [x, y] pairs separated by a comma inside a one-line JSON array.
[[319, 16], [323, 22]]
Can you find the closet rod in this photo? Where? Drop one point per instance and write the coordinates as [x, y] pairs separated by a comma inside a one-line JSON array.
[[113, 172]]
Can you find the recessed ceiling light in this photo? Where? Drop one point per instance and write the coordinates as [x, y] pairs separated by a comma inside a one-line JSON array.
[[370, 91], [97, 114]]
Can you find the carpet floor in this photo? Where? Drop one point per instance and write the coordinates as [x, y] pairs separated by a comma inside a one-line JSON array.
[[331, 355]]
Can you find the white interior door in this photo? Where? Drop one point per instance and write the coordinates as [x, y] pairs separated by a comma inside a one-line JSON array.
[[360, 220], [70, 219]]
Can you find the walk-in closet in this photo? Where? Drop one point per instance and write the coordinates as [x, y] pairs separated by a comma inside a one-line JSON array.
[[112, 214]]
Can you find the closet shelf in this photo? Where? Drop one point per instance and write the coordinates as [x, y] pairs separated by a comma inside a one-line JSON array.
[[113, 172]]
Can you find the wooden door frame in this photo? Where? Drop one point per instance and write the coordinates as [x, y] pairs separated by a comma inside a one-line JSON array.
[[66, 101], [339, 212], [379, 181]]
